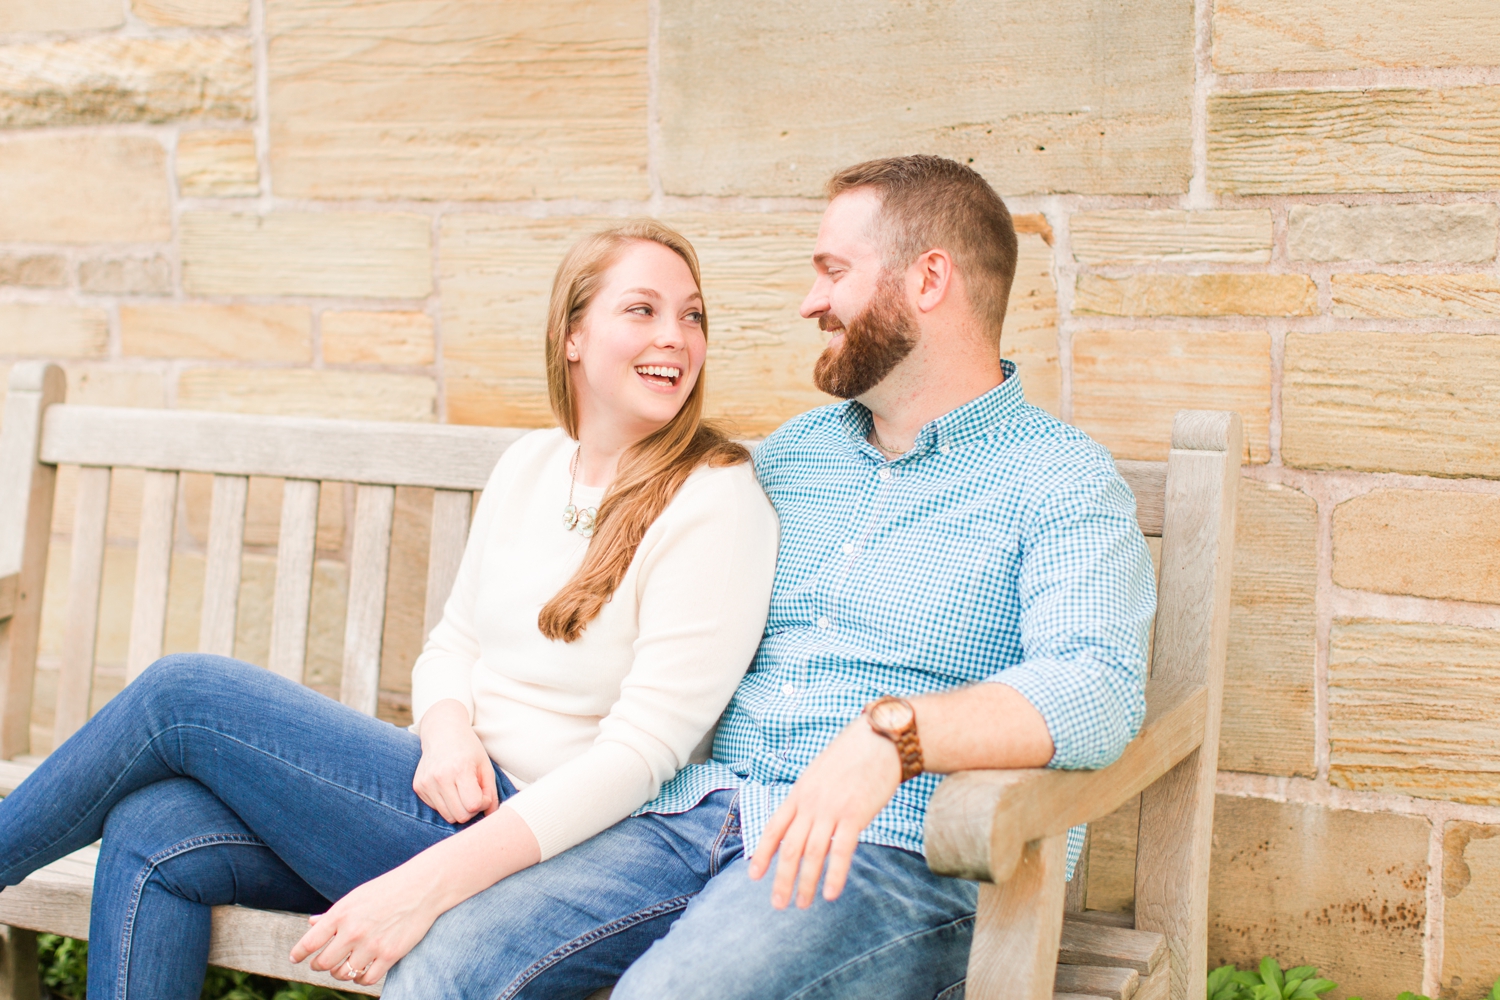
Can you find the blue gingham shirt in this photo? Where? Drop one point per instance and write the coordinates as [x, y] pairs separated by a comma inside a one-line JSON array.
[[1003, 547]]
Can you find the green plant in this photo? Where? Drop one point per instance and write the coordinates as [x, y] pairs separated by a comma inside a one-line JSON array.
[[64, 964], [1268, 982]]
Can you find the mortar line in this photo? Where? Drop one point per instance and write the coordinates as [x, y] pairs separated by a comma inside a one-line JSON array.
[[1198, 195], [1433, 926], [260, 46]]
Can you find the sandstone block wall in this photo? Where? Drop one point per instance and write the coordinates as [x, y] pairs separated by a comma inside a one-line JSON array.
[[340, 208]]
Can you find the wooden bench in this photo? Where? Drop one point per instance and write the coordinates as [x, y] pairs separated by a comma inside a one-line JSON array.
[[976, 818]]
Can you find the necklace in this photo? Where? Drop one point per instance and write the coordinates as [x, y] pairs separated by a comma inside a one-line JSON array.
[[583, 519], [882, 446]]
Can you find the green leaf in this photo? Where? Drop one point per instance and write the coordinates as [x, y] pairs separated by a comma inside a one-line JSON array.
[[1313, 987], [1270, 974], [1494, 991], [1302, 972]]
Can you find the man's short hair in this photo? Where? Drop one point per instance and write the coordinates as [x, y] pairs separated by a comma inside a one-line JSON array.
[[931, 202]]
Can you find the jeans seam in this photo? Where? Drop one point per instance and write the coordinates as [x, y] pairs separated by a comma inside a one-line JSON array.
[[893, 942], [731, 815], [172, 730], [592, 937], [127, 926]]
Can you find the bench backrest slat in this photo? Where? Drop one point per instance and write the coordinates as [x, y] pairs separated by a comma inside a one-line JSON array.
[[221, 571], [450, 531], [296, 549], [153, 569], [390, 454], [369, 564], [75, 682]]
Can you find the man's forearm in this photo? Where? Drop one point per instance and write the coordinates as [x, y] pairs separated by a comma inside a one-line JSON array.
[[981, 726]]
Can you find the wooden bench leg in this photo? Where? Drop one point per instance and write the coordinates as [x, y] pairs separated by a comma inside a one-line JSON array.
[[1019, 926], [18, 970]]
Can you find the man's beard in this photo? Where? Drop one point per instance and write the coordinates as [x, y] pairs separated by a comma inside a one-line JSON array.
[[875, 342]]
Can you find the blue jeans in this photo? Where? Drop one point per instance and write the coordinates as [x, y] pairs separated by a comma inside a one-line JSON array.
[[212, 781], [663, 903]]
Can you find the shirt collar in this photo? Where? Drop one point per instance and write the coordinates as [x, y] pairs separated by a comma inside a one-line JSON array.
[[977, 419]]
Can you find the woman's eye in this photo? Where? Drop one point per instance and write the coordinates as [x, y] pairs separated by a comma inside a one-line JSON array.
[[641, 310], [694, 317]]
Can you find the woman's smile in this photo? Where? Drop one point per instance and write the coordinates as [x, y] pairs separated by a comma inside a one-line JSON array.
[[659, 376]]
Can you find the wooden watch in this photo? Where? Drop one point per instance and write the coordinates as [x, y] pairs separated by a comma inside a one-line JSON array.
[[896, 720]]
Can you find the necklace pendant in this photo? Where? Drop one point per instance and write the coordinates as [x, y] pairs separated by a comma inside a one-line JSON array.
[[586, 519], [570, 517]]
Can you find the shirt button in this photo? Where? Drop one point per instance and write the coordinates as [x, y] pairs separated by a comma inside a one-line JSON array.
[[788, 689], [885, 473], [945, 449], [848, 548], [823, 623]]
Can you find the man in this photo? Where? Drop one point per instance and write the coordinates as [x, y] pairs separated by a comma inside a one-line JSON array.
[[961, 584]]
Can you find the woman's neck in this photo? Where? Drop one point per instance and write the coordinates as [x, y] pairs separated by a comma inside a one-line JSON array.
[[599, 455]]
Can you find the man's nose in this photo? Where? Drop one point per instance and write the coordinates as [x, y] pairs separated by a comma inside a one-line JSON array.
[[816, 303]]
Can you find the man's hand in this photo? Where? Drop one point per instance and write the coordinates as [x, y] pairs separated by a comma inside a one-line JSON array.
[[455, 775], [836, 797], [373, 927]]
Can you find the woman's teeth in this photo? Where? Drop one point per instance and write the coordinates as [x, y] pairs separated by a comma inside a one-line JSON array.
[[659, 371]]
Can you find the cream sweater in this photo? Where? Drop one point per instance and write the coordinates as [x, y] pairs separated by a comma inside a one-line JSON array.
[[590, 729]]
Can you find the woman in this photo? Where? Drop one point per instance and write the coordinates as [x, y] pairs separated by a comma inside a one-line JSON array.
[[612, 593]]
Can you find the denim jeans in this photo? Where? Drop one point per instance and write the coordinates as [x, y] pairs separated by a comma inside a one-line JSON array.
[[663, 904], [213, 782]]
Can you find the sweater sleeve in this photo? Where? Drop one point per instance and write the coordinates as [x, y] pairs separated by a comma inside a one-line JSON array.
[[446, 666], [704, 590]]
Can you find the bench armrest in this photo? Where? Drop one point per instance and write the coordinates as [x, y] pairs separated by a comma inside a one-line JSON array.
[[978, 822], [8, 587]]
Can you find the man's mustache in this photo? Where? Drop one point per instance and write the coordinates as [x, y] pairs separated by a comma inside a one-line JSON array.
[[829, 323]]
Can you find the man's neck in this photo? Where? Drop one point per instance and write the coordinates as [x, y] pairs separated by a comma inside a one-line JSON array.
[[923, 388]]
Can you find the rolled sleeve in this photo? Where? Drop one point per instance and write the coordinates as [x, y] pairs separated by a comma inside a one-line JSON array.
[[1087, 593]]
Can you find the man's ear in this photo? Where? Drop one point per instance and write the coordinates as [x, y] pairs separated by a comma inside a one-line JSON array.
[[935, 278]]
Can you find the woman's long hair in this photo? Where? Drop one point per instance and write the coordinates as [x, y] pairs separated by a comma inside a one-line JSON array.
[[654, 468]]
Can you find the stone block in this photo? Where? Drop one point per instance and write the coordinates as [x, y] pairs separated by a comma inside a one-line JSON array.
[[1393, 234], [1196, 295], [1428, 543], [1129, 235], [756, 272], [296, 392], [1471, 910], [970, 80], [126, 276], [1377, 139], [377, 338], [116, 78], [1416, 296], [44, 270], [60, 15], [84, 188], [46, 331], [94, 384], [1342, 890], [469, 100], [1129, 384], [218, 163], [1421, 403], [1029, 337], [1268, 724], [200, 330], [1112, 851], [496, 277], [307, 253], [1269, 36], [1412, 710], [193, 13]]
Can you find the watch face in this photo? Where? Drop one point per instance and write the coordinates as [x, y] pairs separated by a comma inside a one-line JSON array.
[[892, 716]]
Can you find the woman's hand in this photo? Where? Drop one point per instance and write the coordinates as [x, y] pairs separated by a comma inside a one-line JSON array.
[[455, 775], [373, 927]]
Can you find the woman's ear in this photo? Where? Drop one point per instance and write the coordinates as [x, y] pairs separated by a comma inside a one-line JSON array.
[[570, 345]]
